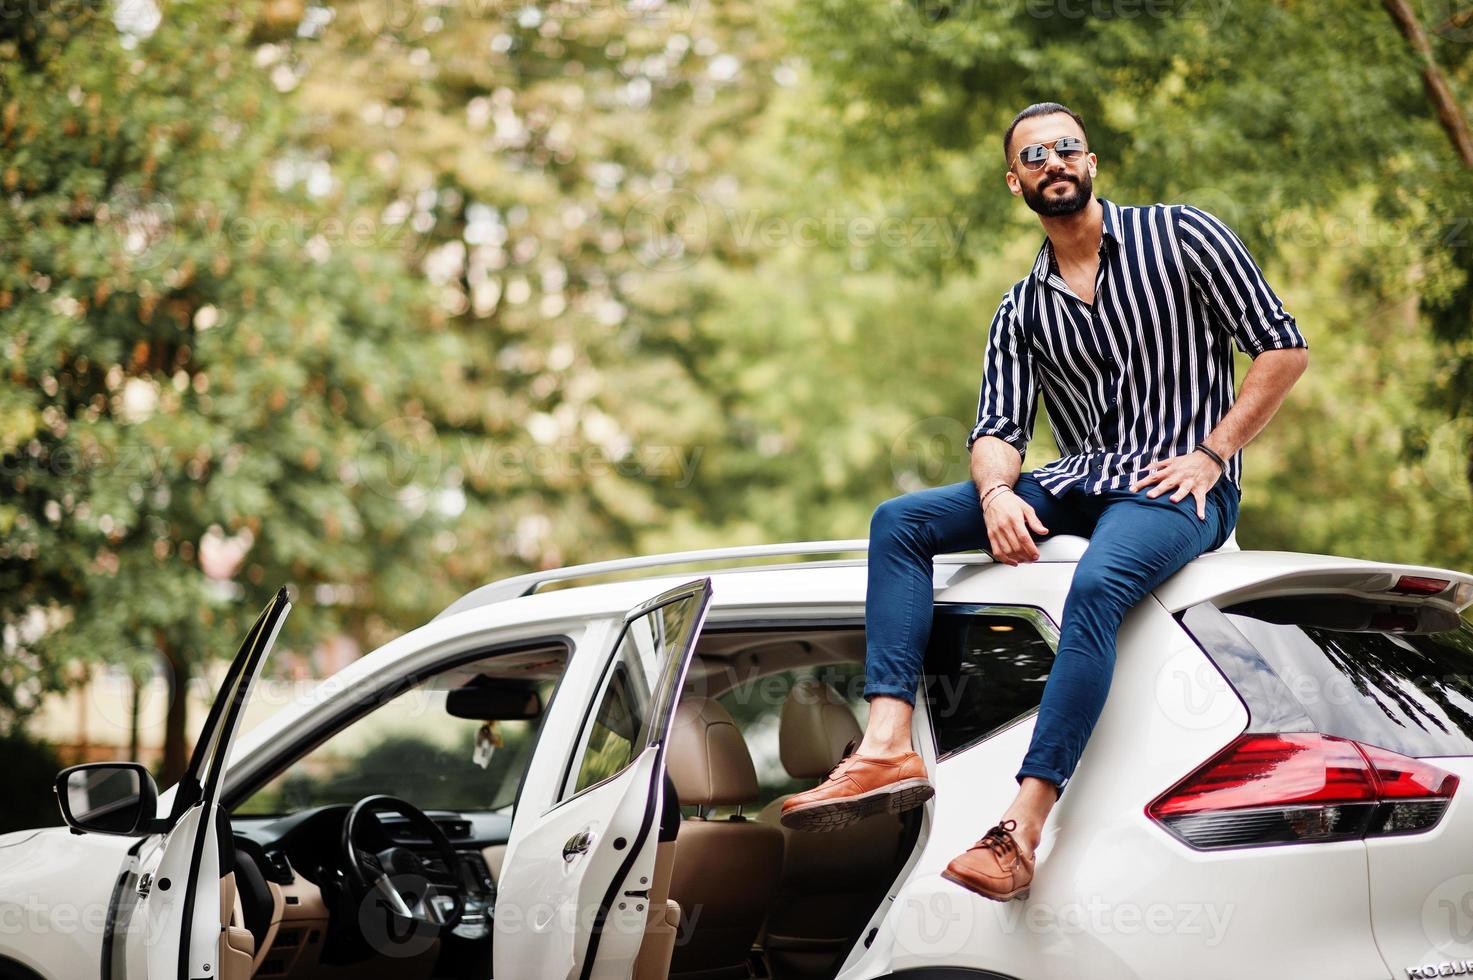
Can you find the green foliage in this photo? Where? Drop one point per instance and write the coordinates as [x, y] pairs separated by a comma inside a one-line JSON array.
[[1249, 109], [1304, 126], [557, 163], [196, 350], [385, 300]]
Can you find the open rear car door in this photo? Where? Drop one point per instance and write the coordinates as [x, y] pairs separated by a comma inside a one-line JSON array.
[[573, 893]]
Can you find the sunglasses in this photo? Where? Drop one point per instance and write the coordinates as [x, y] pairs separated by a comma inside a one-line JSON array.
[[1035, 155]]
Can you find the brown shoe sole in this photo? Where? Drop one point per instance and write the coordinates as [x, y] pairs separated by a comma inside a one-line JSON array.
[[1018, 893], [907, 794]]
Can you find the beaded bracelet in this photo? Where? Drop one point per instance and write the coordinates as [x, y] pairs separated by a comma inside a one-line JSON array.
[[986, 498]]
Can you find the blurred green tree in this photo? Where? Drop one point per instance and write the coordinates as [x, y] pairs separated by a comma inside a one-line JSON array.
[[1338, 171], [201, 336], [387, 298], [560, 168]]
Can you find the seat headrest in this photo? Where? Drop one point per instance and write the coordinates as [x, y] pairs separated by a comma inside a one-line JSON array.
[[815, 727], [708, 758]]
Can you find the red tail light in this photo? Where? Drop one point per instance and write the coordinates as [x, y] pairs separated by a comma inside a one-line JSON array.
[[1419, 585], [1296, 787]]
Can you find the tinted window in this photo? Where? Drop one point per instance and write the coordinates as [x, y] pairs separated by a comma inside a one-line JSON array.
[[615, 728], [984, 671], [628, 719], [1390, 674]]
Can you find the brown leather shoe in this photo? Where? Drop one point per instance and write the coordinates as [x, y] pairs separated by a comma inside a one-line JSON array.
[[857, 787], [995, 867]]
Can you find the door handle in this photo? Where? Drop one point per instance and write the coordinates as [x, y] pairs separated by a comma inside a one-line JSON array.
[[578, 844]]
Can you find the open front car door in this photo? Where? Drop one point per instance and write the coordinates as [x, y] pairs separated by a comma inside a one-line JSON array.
[[167, 921]]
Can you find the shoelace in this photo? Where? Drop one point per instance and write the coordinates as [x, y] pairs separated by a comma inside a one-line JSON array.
[[999, 840], [849, 748]]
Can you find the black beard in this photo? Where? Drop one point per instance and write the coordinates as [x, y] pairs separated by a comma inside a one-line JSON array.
[[1053, 207]]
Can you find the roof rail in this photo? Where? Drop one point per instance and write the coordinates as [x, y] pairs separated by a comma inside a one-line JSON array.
[[526, 584]]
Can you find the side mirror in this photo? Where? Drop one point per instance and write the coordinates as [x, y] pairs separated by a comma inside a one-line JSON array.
[[117, 798]]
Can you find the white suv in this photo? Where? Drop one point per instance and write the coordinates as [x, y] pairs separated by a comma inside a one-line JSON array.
[[584, 782]]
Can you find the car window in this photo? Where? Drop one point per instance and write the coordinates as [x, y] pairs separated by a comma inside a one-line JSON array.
[[616, 726], [1395, 675], [756, 706], [411, 747], [622, 724], [985, 669]]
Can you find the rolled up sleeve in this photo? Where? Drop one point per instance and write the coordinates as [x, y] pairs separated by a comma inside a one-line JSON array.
[[1007, 401], [1239, 299]]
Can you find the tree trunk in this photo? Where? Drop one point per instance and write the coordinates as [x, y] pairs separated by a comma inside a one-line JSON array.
[[176, 749], [1439, 93], [134, 707]]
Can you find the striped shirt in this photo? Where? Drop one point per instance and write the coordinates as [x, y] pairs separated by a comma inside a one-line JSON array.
[[1146, 371]]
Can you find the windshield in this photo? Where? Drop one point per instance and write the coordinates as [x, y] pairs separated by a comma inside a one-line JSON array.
[[411, 747]]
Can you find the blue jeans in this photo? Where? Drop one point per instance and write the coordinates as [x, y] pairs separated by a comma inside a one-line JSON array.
[[1136, 543]]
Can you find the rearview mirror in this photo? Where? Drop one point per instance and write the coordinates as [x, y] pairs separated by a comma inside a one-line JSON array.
[[117, 798], [482, 700]]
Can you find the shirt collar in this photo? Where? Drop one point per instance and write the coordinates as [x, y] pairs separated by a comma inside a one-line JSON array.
[[1114, 229]]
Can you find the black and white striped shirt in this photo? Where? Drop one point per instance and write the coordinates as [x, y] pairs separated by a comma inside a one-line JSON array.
[[1146, 371]]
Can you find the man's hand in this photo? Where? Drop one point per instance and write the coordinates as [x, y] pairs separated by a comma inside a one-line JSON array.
[[1008, 518], [1194, 473]]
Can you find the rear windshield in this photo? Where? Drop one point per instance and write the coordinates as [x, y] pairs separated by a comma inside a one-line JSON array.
[[1390, 674]]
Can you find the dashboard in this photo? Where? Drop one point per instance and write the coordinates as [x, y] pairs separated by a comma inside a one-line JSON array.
[[295, 899]]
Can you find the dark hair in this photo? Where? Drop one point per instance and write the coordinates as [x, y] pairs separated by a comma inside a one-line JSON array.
[[1037, 109]]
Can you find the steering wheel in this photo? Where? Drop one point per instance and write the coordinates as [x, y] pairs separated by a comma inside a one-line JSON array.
[[414, 891]]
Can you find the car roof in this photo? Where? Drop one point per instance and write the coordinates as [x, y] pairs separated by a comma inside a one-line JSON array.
[[1212, 575]]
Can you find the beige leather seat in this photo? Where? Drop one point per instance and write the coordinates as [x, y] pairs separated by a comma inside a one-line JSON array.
[[726, 869], [662, 926], [237, 945], [831, 882]]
